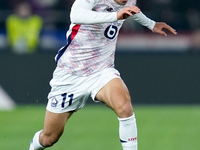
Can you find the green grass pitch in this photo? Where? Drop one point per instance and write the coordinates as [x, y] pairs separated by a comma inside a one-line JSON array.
[[95, 127]]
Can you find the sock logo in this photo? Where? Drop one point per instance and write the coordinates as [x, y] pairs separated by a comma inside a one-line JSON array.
[[132, 139]]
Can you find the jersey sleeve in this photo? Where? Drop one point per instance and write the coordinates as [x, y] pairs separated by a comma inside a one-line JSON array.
[[143, 20], [82, 13]]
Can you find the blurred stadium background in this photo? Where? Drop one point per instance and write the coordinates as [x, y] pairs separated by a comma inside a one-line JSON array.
[[162, 74]]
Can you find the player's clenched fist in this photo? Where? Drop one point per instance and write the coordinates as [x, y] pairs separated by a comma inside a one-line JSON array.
[[127, 11]]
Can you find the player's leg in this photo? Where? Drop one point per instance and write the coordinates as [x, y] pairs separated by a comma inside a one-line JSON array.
[[53, 128], [60, 107], [116, 95]]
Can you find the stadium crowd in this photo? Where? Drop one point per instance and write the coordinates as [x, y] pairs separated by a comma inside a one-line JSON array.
[[184, 16]]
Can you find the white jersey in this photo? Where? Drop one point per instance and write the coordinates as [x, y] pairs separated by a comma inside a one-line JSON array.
[[92, 37]]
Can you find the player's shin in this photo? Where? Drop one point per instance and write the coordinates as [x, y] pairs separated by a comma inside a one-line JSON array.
[[35, 144], [128, 133]]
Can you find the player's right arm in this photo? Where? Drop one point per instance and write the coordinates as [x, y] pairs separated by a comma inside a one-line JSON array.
[[82, 13], [127, 12]]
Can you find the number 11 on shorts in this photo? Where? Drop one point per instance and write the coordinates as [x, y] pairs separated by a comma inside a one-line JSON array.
[[65, 97]]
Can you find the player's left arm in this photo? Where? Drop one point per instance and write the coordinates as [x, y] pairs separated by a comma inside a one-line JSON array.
[[159, 26], [156, 27]]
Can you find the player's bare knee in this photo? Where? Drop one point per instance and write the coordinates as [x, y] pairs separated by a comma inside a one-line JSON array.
[[49, 140], [124, 109]]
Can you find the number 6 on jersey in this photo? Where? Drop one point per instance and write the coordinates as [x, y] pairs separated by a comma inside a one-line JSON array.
[[110, 31]]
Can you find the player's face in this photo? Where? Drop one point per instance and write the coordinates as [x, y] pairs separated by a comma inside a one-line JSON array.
[[121, 2]]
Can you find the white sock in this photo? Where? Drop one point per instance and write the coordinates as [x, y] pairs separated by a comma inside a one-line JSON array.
[[128, 133], [35, 144]]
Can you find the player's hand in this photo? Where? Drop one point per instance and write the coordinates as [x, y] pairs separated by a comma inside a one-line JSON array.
[[159, 26], [127, 11]]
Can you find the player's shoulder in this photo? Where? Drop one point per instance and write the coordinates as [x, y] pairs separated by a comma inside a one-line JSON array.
[[93, 1], [131, 2]]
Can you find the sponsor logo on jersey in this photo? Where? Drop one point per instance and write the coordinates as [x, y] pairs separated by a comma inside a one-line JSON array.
[[111, 32], [109, 9]]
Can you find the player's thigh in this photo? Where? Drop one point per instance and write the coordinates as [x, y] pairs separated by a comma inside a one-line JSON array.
[[54, 124], [115, 94]]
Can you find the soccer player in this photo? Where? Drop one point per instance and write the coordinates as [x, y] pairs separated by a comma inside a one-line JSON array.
[[85, 67]]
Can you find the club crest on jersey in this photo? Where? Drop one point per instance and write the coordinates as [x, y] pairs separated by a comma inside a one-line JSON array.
[[88, 1], [54, 102]]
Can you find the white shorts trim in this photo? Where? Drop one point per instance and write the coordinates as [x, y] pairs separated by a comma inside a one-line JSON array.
[[70, 92]]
